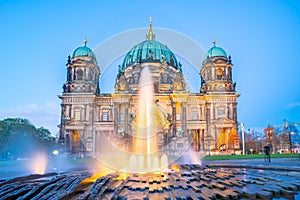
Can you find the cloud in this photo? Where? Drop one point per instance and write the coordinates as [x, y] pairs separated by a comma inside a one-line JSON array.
[[45, 114]]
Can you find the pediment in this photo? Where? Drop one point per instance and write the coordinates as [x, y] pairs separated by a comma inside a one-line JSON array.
[[224, 121]]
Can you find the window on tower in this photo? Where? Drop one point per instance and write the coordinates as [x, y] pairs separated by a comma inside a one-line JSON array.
[[77, 115], [195, 115], [79, 74], [122, 117], [105, 115], [221, 112], [219, 73]]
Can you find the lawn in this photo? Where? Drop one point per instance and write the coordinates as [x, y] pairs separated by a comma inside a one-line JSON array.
[[248, 156]]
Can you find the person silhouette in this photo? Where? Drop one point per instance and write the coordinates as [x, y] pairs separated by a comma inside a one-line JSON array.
[[267, 153]]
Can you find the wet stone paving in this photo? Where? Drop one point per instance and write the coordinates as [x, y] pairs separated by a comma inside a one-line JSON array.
[[184, 182]]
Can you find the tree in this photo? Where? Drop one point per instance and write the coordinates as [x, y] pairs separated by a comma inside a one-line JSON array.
[[295, 133], [254, 141], [283, 134], [19, 138]]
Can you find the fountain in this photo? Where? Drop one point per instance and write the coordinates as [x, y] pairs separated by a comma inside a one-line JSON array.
[[145, 156], [144, 138], [144, 172], [38, 163]]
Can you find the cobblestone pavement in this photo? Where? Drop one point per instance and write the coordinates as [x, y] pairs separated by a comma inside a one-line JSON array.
[[223, 179], [207, 181]]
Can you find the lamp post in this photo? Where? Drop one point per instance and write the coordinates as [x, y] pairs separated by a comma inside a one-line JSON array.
[[243, 138], [251, 140], [208, 139], [289, 134]]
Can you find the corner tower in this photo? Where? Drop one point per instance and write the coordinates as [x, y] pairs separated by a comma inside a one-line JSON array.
[[221, 100], [216, 72], [82, 72], [78, 100]]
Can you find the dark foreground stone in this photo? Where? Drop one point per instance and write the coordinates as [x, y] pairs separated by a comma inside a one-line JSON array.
[[190, 182]]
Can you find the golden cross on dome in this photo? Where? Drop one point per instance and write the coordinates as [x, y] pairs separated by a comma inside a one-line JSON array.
[[150, 35], [85, 41], [214, 42]]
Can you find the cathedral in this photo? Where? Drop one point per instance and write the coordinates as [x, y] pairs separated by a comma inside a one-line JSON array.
[[205, 121]]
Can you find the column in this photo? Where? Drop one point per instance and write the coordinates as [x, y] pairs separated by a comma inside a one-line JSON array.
[[71, 112], [234, 113], [82, 141], [200, 139], [183, 118], [86, 113], [69, 141], [62, 124], [208, 114], [212, 110], [126, 117], [189, 136], [116, 116], [174, 119], [230, 112], [208, 133]]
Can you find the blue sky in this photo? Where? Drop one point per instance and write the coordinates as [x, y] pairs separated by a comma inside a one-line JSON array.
[[263, 38]]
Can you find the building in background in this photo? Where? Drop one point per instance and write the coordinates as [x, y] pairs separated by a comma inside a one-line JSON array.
[[205, 121]]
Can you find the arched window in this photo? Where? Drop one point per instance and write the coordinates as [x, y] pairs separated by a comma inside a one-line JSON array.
[[87, 74], [91, 75], [69, 74], [79, 74], [219, 73], [105, 113]]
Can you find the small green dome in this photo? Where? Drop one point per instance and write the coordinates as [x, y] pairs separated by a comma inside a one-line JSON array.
[[84, 51], [215, 51], [150, 50]]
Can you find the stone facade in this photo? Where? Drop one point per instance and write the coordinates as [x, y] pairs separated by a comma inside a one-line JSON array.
[[205, 121]]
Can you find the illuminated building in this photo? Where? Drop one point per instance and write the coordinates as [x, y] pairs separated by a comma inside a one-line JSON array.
[[206, 121]]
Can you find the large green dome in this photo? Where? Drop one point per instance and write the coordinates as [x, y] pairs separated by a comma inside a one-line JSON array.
[[215, 51], [150, 50], [84, 51]]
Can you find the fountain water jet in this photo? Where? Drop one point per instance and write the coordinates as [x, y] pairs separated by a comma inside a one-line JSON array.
[[145, 142], [148, 125], [144, 137], [38, 164]]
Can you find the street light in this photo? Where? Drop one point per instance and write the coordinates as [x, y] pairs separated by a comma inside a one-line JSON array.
[[289, 135], [222, 148], [208, 140]]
